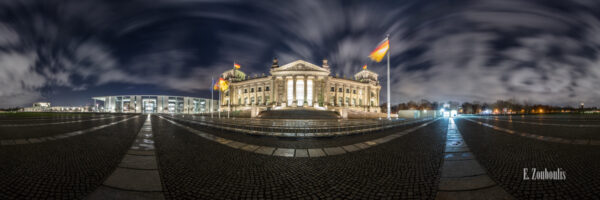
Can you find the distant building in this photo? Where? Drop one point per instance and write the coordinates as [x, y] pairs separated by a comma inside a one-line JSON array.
[[301, 85], [154, 104], [38, 107]]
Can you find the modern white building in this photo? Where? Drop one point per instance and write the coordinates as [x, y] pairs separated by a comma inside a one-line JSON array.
[[154, 104]]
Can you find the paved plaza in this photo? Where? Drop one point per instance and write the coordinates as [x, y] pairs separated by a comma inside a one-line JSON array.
[[126, 156]]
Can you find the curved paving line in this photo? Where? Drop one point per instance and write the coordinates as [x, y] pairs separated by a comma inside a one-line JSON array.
[[298, 153], [462, 175], [137, 175], [54, 123], [539, 137], [323, 134], [59, 136], [546, 124]]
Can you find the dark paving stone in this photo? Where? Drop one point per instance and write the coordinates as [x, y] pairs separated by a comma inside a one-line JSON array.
[[504, 156], [70, 168], [195, 168]]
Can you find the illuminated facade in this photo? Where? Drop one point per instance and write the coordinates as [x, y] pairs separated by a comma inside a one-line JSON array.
[[301, 85], [154, 104]]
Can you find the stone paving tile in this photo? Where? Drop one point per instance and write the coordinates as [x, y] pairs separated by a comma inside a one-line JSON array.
[[316, 152], [265, 150], [284, 152], [466, 183], [137, 180], [250, 147], [138, 162], [334, 151], [104, 193], [351, 148], [300, 153]]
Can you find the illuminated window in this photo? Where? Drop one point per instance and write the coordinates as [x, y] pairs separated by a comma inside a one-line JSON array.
[[259, 100], [340, 101], [252, 100], [300, 92], [290, 92], [360, 102], [309, 92]]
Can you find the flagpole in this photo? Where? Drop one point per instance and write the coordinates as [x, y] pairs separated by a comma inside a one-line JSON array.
[[212, 98], [219, 102], [230, 94], [388, 77]]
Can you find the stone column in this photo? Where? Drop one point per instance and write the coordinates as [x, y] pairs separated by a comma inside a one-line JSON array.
[[305, 91], [295, 101]]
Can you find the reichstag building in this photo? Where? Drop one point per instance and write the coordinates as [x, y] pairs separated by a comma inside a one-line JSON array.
[[301, 85]]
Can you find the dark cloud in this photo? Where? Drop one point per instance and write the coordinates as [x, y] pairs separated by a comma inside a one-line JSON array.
[[539, 51]]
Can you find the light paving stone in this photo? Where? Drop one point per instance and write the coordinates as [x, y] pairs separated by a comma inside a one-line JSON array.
[[265, 150], [459, 156], [34, 140], [250, 147], [236, 145], [351, 148], [104, 192], [362, 145], [21, 141], [133, 179], [466, 183], [456, 149], [140, 152], [461, 168], [139, 162], [7, 142], [334, 151], [370, 143], [488, 193], [284, 152], [316, 153], [301, 153]]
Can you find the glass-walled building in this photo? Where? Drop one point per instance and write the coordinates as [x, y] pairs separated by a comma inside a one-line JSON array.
[[154, 104]]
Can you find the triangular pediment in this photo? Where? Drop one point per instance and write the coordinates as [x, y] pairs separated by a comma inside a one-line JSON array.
[[300, 65]]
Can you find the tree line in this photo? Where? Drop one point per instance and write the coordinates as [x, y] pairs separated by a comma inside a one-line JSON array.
[[510, 106]]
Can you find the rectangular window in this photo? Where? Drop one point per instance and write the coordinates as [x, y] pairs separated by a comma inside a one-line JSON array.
[[340, 90], [333, 89], [260, 89], [245, 90], [300, 92], [266, 99], [347, 90], [309, 92], [251, 90], [353, 91], [267, 88], [252, 101], [290, 92], [259, 100]]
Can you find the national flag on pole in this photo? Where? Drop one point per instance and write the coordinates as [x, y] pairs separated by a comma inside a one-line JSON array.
[[380, 51], [215, 86], [223, 84], [236, 66], [365, 67]]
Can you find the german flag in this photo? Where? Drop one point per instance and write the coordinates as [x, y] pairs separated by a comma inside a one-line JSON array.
[[236, 66], [379, 52], [223, 84], [365, 67]]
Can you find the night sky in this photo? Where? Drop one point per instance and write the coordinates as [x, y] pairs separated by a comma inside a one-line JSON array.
[[67, 51]]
